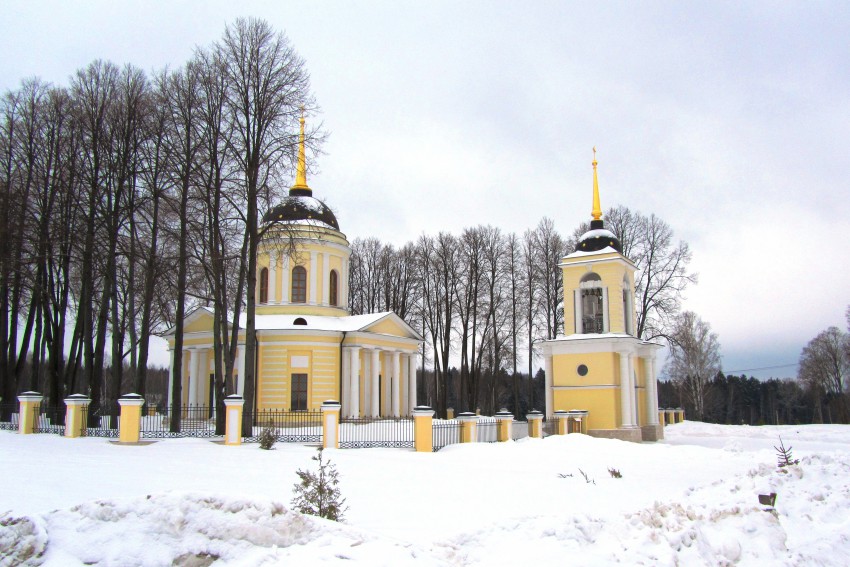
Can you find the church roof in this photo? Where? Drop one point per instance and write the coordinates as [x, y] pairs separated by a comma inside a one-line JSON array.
[[298, 208], [287, 322]]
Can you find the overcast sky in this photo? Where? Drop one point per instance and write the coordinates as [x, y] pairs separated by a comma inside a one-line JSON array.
[[731, 121]]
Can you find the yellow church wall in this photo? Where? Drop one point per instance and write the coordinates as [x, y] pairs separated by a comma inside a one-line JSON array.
[[276, 369], [599, 402], [603, 368], [388, 327]]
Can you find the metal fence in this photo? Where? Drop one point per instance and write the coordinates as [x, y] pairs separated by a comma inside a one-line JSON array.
[[9, 416], [195, 421], [290, 426], [519, 430], [550, 427], [488, 430], [49, 419], [101, 421], [445, 432], [363, 432]]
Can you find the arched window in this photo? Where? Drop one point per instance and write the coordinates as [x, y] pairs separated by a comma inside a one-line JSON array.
[[299, 284], [264, 285], [333, 298], [592, 318], [300, 321]]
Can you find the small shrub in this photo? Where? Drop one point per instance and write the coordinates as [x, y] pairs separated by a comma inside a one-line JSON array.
[[318, 493], [614, 473], [587, 479], [784, 456], [268, 437]]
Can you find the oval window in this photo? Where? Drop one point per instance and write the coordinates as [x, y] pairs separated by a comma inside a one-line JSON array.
[[582, 370]]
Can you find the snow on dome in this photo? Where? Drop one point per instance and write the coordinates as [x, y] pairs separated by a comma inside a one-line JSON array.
[[298, 208]]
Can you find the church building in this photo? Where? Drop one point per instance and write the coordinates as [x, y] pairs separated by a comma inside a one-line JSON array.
[[598, 364], [309, 348]]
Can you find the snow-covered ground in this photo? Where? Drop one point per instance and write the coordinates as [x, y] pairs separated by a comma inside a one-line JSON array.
[[690, 500]]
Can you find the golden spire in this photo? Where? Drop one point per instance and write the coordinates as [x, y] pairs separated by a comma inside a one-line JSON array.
[[301, 172], [597, 208]]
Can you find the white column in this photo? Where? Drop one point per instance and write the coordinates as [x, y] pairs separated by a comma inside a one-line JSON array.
[[286, 276], [170, 378], [651, 391], [577, 307], [376, 384], [396, 384], [411, 382], [625, 398], [203, 377], [343, 284], [633, 390], [326, 279], [549, 393], [273, 276], [240, 369], [314, 267], [194, 363], [355, 381], [346, 381], [606, 321]]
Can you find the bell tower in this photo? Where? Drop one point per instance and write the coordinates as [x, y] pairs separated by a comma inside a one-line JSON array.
[[599, 365]]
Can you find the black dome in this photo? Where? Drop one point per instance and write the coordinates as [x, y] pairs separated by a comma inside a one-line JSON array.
[[301, 208], [598, 238]]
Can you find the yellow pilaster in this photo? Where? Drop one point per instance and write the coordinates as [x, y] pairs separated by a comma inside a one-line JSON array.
[[129, 425], [535, 424], [330, 424], [233, 420], [563, 421], [504, 419], [75, 404], [468, 427], [30, 403], [423, 432]]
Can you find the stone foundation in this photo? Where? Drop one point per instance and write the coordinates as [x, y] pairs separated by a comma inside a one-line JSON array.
[[632, 434], [652, 432]]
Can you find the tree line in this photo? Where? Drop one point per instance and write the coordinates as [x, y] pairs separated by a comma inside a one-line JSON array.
[[128, 197], [490, 298], [818, 394]]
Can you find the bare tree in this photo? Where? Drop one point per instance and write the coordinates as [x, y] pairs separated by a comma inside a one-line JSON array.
[[694, 359], [824, 368], [267, 86]]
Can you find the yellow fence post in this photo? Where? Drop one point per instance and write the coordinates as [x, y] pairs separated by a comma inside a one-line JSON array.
[[423, 431], [30, 403], [680, 415], [75, 403], [562, 416], [671, 416], [535, 424], [468, 429], [661, 416], [330, 424], [504, 420], [130, 422], [450, 413], [233, 420]]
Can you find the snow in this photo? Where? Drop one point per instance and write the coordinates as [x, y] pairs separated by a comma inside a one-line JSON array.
[[580, 254], [690, 500]]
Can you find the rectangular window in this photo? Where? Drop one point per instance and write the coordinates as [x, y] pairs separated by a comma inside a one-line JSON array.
[[299, 392]]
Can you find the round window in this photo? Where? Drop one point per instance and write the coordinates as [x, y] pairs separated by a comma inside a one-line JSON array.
[[582, 370]]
